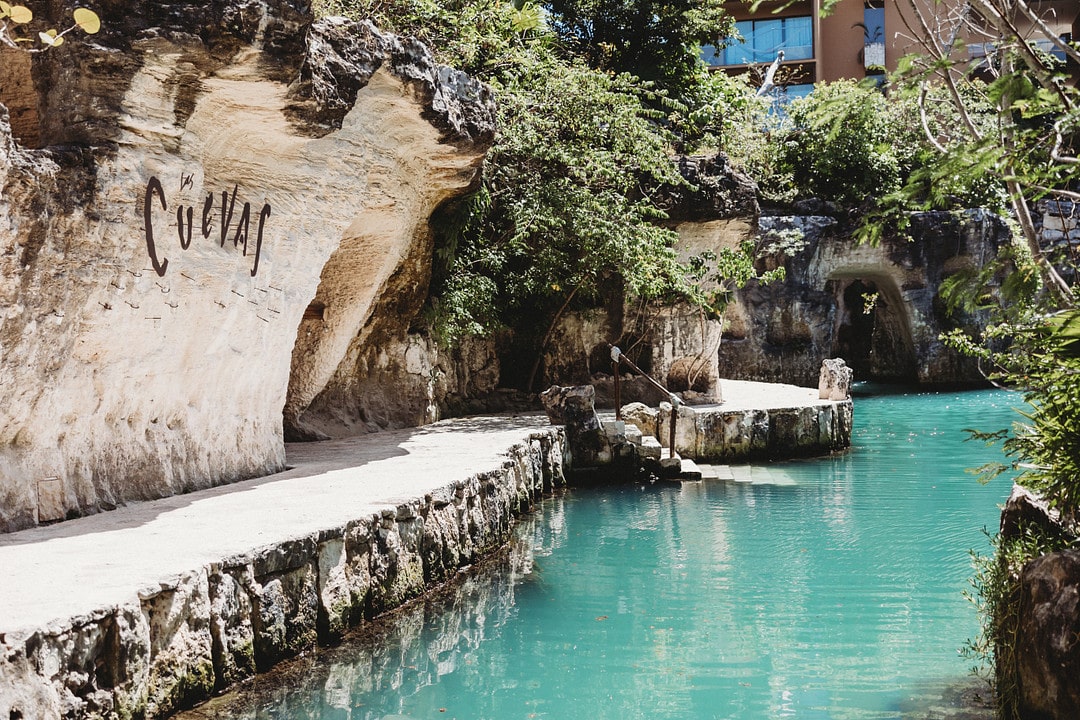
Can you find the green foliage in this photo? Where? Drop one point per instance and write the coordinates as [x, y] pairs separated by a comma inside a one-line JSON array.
[[843, 143], [566, 212], [723, 113], [655, 41], [477, 36], [1045, 360]]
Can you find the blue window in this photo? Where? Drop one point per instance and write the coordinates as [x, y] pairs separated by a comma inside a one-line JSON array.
[[762, 38], [874, 25]]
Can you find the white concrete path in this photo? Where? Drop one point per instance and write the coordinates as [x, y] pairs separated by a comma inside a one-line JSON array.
[[77, 567]]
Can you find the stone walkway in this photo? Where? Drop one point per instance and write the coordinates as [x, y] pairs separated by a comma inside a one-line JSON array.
[[74, 568]]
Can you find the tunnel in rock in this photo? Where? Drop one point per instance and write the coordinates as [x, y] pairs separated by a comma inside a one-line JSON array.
[[873, 328]]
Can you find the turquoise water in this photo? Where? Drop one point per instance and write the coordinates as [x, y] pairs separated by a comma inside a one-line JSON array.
[[823, 589]]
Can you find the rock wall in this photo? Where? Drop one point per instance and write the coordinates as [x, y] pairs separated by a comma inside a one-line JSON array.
[[220, 623], [878, 307], [219, 199], [413, 650]]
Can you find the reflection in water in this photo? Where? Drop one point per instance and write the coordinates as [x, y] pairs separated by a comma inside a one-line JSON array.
[[395, 657], [827, 589]]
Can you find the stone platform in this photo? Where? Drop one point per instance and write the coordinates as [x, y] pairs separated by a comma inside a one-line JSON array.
[[150, 608], [756, 421]]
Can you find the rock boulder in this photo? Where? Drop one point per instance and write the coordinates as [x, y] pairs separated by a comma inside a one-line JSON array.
[[1048, 637]]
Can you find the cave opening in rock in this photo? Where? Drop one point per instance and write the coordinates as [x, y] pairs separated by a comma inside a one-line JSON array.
[[873, 334]]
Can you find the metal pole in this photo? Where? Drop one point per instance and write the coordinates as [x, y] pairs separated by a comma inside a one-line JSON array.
[[618, 397]]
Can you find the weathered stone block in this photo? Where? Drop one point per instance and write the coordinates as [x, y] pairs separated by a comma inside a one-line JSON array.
[[784, 427], [24, 693], [335, 596], [1025, 509], [397, 568], [94, 666], [643, 417], [285, 613], [181, 655], [686, 428], [359, 549], [834, 382], [574, 407], [230, 588]]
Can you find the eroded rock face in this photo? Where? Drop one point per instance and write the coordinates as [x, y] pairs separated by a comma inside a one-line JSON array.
[[1048, 637], [878, 307], [222, 196]]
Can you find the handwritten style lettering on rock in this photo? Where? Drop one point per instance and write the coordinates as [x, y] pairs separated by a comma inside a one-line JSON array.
[[185, 223]]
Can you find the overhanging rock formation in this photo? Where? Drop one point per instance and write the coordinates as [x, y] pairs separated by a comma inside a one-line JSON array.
[[199, 211]]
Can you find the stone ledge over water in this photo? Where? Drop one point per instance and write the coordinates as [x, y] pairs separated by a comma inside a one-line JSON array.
[[149, 609], [756, 421]]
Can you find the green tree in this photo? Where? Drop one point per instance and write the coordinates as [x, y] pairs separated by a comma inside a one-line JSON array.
[[655, 41], [1030, 144], [841, 144], [567, 210]]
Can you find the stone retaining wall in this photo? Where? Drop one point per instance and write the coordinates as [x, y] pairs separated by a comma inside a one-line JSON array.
[[716, 434], [172, 645]]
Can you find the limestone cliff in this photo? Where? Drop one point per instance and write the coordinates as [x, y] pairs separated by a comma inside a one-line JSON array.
[[199, 211], [878, 306]]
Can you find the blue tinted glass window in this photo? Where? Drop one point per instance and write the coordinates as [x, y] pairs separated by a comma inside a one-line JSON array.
[[798, 39], [741, 52], [763, 38]]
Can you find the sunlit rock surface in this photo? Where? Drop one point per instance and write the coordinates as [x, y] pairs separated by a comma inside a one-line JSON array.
[[199, 230]]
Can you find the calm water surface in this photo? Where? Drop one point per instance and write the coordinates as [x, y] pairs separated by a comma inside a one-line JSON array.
[[822, 589]]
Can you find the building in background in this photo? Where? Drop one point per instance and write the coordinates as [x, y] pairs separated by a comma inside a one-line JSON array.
[[859, 38]]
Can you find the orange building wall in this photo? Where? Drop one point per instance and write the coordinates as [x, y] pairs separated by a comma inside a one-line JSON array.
[[840, 42], [838, 38]]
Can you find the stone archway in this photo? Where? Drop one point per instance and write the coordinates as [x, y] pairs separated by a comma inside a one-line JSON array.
[[873, 327]]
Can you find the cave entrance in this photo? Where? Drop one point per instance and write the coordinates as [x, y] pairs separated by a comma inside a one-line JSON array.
[[873, 332]]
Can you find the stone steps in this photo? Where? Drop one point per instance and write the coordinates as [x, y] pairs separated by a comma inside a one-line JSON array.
[[678, 468], [649, 449]]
